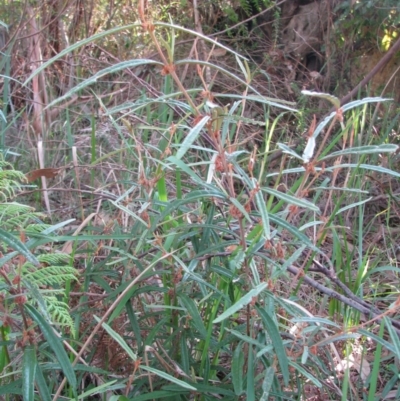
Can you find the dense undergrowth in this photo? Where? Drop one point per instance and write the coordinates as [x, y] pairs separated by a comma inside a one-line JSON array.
[[202, 253]]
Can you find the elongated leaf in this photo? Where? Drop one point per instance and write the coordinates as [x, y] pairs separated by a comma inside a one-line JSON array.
[[262, 209], [115, 336], [245, 300], [361, 102], [333, 99], [306, 373], [314, 320], [168, 377], [45, 394], [267, 383], [159, 395], [363, 150], [276, 340], [28, 373], [193, 312], [343, 209], [393, 335], [55, 344], [14, 387], [251, 374], [109, 386], [284, 104], [292, 199], [377, 362], [185, 168], [379, 169], [287, 149], [19, 246], [95, 77], [191, 137], [237, 369], [245, 338]]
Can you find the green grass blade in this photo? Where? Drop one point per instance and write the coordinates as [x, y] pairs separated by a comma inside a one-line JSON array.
[[105, 387], [250, 390], [292, 199], [42, 385], [306, 373], [116, 337], [94, 78], [168, 377], [393, 335], [28, 373], [272, 329], [375, 376], [245, 300], [193, 312], [237, 369], [267, 383], [191, 137], [19, 246], [55, 344]]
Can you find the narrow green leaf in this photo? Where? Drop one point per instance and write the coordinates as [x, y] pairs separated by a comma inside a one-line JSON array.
[[186, 169], [109, 386], [276, 340], [241, 208], [351, 206], [262, 209], [314, 320], [379, 339], [19, 246], [118, 398], [393, 335], [55, 344], [159, 395], [245, 338], [168, 377], [124, 301], [45, 393], [375, 374], [363, 150], [237, 369], [262, 99], [267, 383], [115, 336], [95, 77], [251, 374], [287, 149], [361, 102], [305, 373], [245, 300], [292, 199], [191, 137], [333, 99], [378, 169], [193, 312], [28, 373], [14, 387]]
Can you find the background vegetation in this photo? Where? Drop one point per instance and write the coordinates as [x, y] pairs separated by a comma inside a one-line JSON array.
[[192, 208]]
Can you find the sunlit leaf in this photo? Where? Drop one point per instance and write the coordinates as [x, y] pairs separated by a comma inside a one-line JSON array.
[[245, 300]]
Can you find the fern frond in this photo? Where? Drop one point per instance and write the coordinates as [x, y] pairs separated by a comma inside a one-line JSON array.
[[59, 312], [14, 215], [54, 258], [50, 275], [12, 208], [9, 183], [37, 228], [55, 268]]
